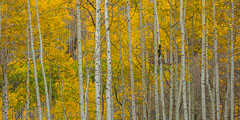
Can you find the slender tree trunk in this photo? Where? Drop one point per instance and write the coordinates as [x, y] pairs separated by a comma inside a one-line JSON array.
[[171, 65], [42, 66], [226, 106], [5, 101], [216, 62], [50, 89], [143, 65], [155, 65], [27, 84], [62, 100], [130, 62], [182, 23], [160, 61], [5, 76], [203, 102], [34, 63], [210, 89], [87, 78], [98, 63], [232, 108], [176, 58], [121, 63], [109, 67], [189, 82], [80, 71]]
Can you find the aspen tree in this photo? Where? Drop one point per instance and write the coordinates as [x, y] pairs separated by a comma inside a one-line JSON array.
[[4, 55], [171, 65], [80, 71], [109, 67], [27, 82], [130, 62], [98, 62], [182, 24], [226, 106], [42, 66], [143, 64], [160, 61], [121, 64], [203, 102], [34, 64], [216, 62], [232, 106], [155, 66], [210, 89], [87, 78]]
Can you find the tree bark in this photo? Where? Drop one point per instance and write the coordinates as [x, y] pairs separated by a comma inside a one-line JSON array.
[[143, 64], [34, 64], [42, 66], [80, 71], [27, 82], [87, 78], [121, 63], [130, 62], [156, 65], [232, 103], [203, 101], [216, 62], [171, 65], [98, 62], [182, 24], [109, 66]]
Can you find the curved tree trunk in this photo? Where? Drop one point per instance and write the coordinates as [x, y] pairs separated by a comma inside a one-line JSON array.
[[34, 64], [42, 66]]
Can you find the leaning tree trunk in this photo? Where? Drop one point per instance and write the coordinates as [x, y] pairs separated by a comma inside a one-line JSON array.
[[130, 62], [216, 62], [203, 101], [232, 67], [98, 62], [34, 64], [80, 71], [42, 66], [121, 64], [109, 67]]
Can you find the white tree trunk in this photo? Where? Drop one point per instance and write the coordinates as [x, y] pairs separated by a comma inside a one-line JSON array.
[[156, 65], [182, 23], [62, 100], [109, 67], [232, 108], [121, 64], [98, 62], [87, 78], [27, 82], [160, 61], [42, 66], [5, 78], [80, 71], [171, 65], [34, 63], [143, 64], [203, 102], [216, 62], [226, 106], [130, 62], [210, 89]]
